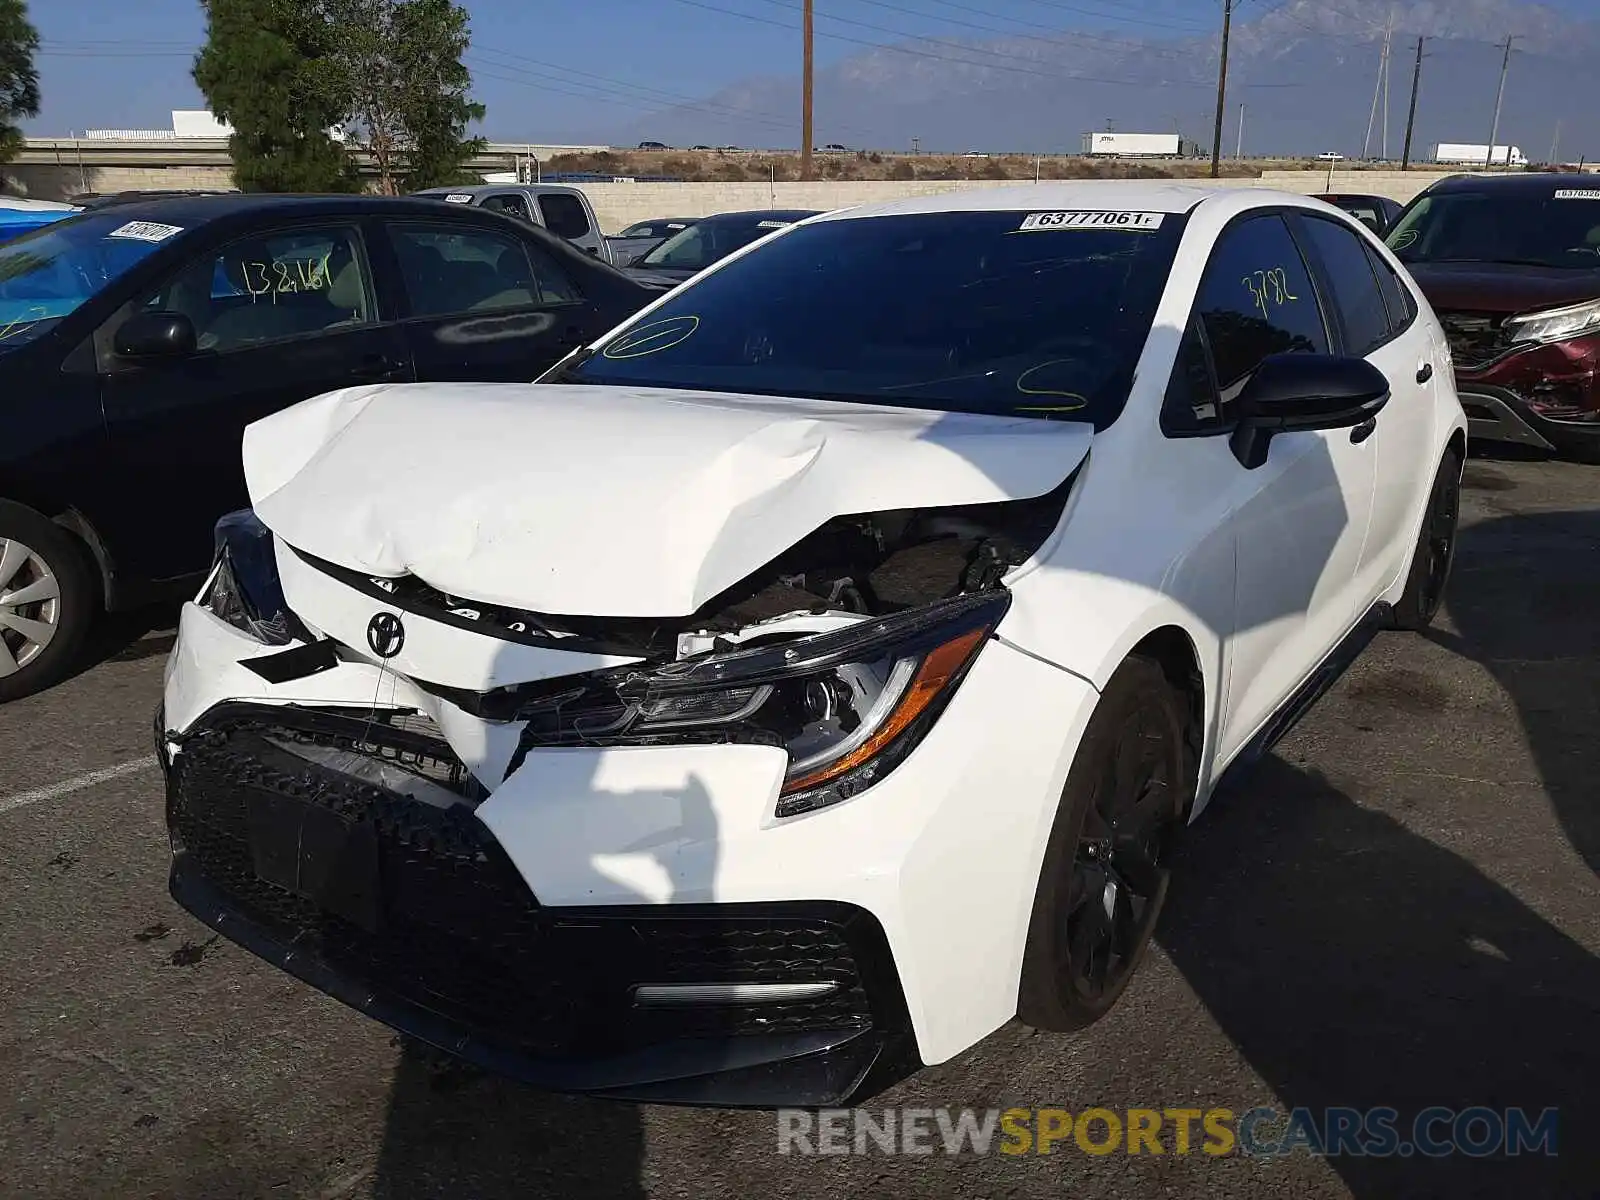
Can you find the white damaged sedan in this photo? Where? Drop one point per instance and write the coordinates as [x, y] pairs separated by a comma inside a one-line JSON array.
[[808, 678]]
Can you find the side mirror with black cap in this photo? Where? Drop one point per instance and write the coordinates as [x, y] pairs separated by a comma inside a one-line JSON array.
[[155, 335], [1291, 392]]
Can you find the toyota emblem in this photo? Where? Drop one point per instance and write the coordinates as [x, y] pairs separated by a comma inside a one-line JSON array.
[[386, 635]]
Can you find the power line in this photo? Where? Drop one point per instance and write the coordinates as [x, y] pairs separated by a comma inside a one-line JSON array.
[[1061, 38], [1105, 16], [966, 62], [599, 94], [676, 99]]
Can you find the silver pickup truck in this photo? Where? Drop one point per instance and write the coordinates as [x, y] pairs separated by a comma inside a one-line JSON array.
[[564, 211]]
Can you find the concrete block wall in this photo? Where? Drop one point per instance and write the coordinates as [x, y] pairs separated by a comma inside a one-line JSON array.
[[51, 181], [618, 205]]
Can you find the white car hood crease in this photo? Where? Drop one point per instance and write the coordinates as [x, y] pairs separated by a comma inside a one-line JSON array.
[[602, 501]]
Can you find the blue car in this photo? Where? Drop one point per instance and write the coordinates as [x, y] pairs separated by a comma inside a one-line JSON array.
[[18, 217]]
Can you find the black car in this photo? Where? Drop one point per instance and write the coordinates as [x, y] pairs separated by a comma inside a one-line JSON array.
[[1377, 213], [138, 341], [709, 240]]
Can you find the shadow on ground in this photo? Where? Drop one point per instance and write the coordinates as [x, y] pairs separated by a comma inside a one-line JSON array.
[[1357, 964], [454, 1132], [1527, 603], [139, 633]]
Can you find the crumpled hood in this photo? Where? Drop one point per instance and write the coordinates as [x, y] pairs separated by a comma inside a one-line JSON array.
[[600, 501]]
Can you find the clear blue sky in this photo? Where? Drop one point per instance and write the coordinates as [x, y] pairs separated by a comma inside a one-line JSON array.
[[124, 64]]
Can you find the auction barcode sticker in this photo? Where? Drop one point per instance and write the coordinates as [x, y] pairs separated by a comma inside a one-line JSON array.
[[145, 231], [1090, 220], [1578, 193]]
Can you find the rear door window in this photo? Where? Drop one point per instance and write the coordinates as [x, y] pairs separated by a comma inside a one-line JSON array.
[[563, 215], [1397, 298], [450, 272], [512, 203], [1356, 299]]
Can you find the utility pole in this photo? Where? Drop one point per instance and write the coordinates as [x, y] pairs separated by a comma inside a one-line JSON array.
[[1494, 129], [1388, 34], [1555, 142], [1411, 117], [806, 93], [1222, 89], [1379, 89], [1238, 150]]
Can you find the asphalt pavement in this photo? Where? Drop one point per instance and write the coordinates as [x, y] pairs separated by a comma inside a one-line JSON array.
[[1399, 908]]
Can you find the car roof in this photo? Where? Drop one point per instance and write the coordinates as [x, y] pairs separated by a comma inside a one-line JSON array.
[[188, 211], [479, 189], [1127, 194], [763, 214], [1528, 182]]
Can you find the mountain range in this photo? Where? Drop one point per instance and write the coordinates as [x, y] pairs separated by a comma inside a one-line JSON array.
[[1305, 72]]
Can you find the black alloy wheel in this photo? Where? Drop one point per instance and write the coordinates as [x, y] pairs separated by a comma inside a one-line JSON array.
[[1436, 549], [1105, 874], [1119, 879]]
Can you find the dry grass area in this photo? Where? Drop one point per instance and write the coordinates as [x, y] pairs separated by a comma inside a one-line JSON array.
[[734, 166]]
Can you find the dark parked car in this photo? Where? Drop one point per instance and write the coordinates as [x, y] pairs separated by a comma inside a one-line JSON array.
[[1511, 265], [710, 240], [638, 239], [137, 342], [1377, 213]]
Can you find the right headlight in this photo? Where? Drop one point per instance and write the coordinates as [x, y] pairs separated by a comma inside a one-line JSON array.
[[1554, 324], [243, 588], [846, 705]]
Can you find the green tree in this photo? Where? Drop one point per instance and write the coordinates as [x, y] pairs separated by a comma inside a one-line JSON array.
[[410, 88], [270, 69], [19, 82]]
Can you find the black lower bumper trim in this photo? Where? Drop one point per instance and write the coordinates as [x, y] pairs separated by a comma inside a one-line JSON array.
[[801, 1069], [1501, 415], [1494, 417]]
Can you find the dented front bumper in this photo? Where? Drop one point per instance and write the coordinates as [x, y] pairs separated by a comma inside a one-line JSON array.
[[586, 873]]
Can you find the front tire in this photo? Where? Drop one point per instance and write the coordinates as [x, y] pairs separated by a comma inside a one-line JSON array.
[[1104, 879], [1435, 551], [47, 601]]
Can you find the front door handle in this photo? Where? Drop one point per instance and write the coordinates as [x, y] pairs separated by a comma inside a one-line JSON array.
[[1425, 372], [1363, 431]]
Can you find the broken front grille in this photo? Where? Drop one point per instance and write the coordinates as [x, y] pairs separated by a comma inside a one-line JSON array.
[[1475, 339], [455, 929]]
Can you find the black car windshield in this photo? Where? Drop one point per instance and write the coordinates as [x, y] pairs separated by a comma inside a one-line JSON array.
[[46, 275], [654, 229], [978, 312], [1555, 228], [706, 242]]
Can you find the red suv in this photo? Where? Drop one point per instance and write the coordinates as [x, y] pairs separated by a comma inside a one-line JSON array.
[[1511, 265]]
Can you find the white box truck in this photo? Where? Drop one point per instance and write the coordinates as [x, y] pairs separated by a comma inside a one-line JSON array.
[[1133, 145], [1476, 154]]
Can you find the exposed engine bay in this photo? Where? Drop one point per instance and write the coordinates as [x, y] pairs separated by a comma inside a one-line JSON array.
[[861, 565]]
